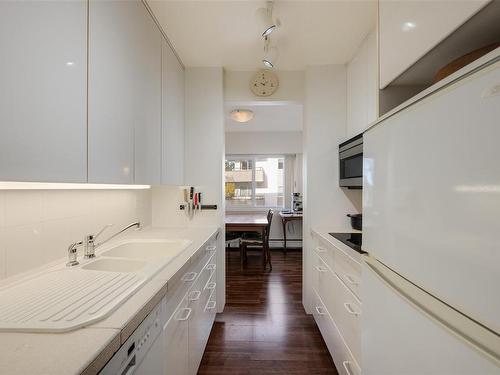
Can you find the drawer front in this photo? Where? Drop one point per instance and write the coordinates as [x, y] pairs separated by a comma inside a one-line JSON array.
[[342, 356], [345, 309], [202, 256], [187, 277], [207, 271], [178, 286], [319, 274], [349, 271], [326, 252], [175, 336]]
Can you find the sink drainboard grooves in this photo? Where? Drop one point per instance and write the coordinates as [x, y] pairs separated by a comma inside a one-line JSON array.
[[64, 300]]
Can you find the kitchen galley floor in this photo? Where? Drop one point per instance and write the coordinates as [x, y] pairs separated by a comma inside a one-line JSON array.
[[264, 328]]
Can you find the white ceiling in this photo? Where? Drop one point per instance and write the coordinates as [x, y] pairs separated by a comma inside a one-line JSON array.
[[227, 33], [280, 117]]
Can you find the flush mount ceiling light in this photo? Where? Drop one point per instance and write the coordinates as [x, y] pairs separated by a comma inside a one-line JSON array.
[[271, 54], [241, 115], [268, 22]]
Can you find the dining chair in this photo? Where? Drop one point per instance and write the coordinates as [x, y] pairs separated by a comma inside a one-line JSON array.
[[233, 238], [255, 239]]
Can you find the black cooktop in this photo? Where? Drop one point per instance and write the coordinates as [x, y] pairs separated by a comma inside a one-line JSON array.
[[353, 240]]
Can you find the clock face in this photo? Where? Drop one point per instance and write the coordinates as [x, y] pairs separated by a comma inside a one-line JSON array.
[[264, 83]]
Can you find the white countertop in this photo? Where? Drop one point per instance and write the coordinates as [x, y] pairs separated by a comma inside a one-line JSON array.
[[77, 351]]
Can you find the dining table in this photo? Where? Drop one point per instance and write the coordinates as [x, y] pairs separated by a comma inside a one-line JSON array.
[[248, 222], [287, 217]]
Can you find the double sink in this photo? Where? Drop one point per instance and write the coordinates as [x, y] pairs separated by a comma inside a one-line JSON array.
[[63, 299], [135, 255]]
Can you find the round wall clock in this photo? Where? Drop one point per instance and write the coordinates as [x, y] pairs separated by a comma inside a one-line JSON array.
[[264, 83]]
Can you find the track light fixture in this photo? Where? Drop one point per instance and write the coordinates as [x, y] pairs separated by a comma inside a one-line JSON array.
[[269, 23], [271, 54]]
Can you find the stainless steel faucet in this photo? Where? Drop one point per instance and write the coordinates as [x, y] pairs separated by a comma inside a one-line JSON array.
[[89, 244], [72, 254]]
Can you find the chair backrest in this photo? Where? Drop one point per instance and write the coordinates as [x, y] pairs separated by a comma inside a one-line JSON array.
[[270, 214]]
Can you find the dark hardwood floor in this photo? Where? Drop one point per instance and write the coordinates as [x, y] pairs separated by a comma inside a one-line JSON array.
[[264, 328]]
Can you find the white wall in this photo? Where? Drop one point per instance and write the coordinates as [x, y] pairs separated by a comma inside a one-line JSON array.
[[325, 203], [37, 226], [236, 86], [362, 86], [263, 143], [204, 161]]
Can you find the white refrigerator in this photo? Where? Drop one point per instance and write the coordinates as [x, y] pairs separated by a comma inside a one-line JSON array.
[[431, 227]]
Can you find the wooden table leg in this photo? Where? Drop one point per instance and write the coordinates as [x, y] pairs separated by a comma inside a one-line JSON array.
[[269, 256], [264, 252], [284, 234]]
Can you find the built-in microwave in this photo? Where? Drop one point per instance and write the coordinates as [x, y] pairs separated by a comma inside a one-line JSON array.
[[351, 163]]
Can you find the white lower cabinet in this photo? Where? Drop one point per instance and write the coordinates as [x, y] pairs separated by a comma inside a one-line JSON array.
[[336, 308], [341, 354], [187, 329], [175, 334]]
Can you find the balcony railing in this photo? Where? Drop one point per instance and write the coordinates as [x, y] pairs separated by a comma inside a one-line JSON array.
[[244, 175]]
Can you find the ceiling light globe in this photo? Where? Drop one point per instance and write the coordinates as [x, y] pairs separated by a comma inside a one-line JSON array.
[[242, 115]]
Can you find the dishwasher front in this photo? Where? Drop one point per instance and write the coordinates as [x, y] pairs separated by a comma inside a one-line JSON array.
[[142, 353]]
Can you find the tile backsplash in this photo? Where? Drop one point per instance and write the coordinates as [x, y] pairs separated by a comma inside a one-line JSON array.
[[36, 226]]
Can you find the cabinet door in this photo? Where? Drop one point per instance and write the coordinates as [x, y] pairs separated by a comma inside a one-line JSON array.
[[410, 29], [197, 298], [362, 87], [124, 93], [172, 118], [175, 334], [43, 132], [147, 111]]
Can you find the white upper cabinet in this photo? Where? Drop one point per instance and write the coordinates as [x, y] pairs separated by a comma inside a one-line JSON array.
[[172, 118], [410, 29], [124, 92], [362, 87], [43, 133], [147, 111]]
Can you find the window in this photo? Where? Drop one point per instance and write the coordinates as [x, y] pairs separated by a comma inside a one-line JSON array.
[[255, 181]]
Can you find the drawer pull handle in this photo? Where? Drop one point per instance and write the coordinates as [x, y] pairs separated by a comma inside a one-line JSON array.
[[211, 286], [211, 248], [320, 250], [194, 295], [351, 280], [188, 277], [320, 311], [210, 266], [350, 310], [347, 367], [186, 316], [320, 269], [210, 305]]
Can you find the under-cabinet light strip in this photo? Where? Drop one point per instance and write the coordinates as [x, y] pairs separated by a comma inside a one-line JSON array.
[[10, 185]]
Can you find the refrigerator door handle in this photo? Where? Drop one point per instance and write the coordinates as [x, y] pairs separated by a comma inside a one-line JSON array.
[[347, 366], [479, 337]]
